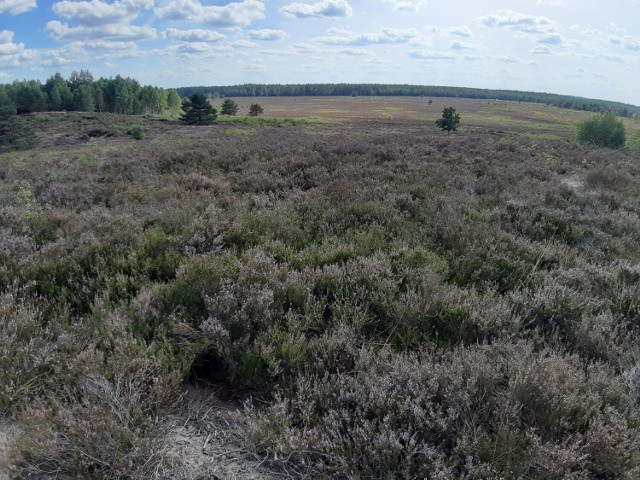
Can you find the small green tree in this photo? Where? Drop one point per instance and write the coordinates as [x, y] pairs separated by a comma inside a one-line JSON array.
[[603, 130], [198, 111], [229, 107], [255, 110], [449, 121], [137, 132], [173, 100]]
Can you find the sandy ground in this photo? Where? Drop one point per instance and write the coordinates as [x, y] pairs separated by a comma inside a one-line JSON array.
[[203, 442], [8, 431]]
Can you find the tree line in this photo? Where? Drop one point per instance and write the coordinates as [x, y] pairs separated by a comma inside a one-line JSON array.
[[369, 89], [81, 92]]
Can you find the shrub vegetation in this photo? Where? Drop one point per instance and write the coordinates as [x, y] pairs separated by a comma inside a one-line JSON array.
[[603, 130], [385, 303]]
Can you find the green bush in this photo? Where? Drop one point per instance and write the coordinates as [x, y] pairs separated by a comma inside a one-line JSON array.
[[16, 134], [603, 130], [137, 132]]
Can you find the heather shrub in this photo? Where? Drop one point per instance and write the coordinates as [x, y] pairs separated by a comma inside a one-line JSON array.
[[485, 409], [27, 351], [99, 423], [464, 309]]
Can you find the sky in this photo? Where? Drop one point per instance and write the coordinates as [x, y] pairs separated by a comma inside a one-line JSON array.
[[587, 48]]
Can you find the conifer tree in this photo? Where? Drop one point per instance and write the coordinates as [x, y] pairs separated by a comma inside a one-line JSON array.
[[449, 121], [229, 107], [197, 110]]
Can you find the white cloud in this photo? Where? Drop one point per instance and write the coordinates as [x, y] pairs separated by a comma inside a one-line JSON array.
[[6, 36], [201, 50], [458, 45], [15, 7], [387, 36], [97, 20], [109, 45], [519, 22], [631, 43], [552, 39], [235, 14], [461, 31], [274, 53], [542, 50], [408, 5], [14, 55], [266, 34], [431, 55], [62, 31], [507, 59], [325, 8], [360, 52], [244, 44], [306, 48], [97, 12], [607, 57], [197, 35]]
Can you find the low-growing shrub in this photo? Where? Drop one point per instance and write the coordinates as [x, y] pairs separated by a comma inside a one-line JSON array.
[[603, 130], [137, 132], [474, 410]]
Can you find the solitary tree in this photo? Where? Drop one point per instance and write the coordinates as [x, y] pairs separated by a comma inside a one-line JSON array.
[[255, 110], [449, 121], [197, 110], [229, 107], [603, 130]]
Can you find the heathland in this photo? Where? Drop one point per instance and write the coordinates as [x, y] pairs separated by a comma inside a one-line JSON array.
[[337, 289]]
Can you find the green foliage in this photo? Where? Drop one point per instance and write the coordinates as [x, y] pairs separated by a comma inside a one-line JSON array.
[[197, 110], [29, 96], [255, 110], [229, 107], [83, 100], [174, 101], [16, 133], [81, 92], [449, 121], [633, 141], [137, 132], [603, 130], [8, 107]]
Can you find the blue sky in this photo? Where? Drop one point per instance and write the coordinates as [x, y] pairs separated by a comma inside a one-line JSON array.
[[578, 47]]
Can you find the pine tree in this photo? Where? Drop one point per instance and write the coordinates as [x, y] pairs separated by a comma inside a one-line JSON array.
[[255, 110], [198, 111], [229, 107], [449, 121]]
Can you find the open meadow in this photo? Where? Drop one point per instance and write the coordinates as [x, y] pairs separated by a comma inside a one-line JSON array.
[[336, 290]]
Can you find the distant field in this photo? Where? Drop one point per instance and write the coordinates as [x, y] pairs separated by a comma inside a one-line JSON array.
[[508, 116]]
